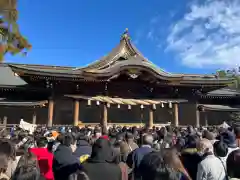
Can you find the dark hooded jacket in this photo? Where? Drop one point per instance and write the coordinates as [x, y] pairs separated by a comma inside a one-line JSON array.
[[99, 165], [135, 157], [83, 148], [190, 157], [64, 163]]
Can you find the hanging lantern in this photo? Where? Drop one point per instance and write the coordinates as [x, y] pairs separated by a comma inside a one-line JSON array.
[[89, 102], [141, 106], [118, 106], [162, 105], [154, 106], [170, 104], [108, 105], [98, 103], [129, 106]]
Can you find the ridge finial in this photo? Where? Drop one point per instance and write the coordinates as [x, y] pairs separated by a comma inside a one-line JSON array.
[[125, 35]]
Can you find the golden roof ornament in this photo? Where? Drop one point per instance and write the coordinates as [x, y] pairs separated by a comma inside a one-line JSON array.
[[125, 35]]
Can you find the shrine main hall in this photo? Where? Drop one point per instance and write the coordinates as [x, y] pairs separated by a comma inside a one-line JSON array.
[[121, 87]]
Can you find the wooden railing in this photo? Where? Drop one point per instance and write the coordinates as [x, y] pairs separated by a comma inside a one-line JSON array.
[[90, 124]]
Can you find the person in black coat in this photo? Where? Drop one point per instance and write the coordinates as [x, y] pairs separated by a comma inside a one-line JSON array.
[[64, 162], [135, 157], [99, 165], [190, 156], [83, 147]]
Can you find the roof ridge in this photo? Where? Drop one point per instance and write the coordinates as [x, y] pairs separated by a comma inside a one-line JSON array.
[[125, 43]]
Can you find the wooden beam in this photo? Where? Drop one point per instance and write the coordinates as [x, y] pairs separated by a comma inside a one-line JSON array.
[[176, 120], [206, 118], [197, 117], [105, 116], [150, 121], [34, 118], [5, 121], [76, 113], [50, 112]]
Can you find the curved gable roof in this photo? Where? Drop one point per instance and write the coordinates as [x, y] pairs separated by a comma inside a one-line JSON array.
[[125, 56], [8, 78]]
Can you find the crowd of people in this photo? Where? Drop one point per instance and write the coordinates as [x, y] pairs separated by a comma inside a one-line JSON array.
[[120, 153]]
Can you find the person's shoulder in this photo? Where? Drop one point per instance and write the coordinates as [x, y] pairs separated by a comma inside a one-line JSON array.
[[211, 161], [234, 179], [122, 143], [50, 155], [88, 164], [4, 176], [135, 144], [115, 167]]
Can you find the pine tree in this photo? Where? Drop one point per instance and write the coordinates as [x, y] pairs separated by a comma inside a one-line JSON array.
[[11, 40], [235, 116], [231, 73]]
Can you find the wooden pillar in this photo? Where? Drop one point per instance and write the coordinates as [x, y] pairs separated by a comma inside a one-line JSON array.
[[197, 117], [76, 113], [104, 116], [150, 121], [34, 118], [50, 112], [5, 121], [176, 120], [206, 118]]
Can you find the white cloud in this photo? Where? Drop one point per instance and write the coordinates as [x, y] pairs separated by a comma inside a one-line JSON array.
[[208, 35], [150, 35]]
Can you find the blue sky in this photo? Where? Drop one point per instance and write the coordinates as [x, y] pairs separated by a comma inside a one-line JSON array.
[[187, 36]]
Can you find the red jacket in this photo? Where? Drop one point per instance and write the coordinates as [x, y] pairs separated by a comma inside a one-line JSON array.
[[45, 159], [104, 137]]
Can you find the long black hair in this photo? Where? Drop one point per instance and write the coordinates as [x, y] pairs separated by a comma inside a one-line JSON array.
[[27, 168]]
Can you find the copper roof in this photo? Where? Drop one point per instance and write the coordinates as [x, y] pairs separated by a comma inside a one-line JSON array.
[[122, 58], [8, 78], [214, 107], [23, 103]]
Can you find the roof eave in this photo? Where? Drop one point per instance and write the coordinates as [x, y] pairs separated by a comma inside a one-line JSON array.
[[23, 103]]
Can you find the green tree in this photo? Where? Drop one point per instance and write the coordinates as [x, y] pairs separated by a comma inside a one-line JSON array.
[[232, 73], [235, 116], [235, 74], [11, 40]]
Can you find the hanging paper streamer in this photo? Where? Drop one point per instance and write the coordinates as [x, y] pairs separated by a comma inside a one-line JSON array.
[[118, 106], [162, 105], [108, 105], [154, 106], [141, 106], [170, 104], [98, 103], [89, 102], [129, 107]]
